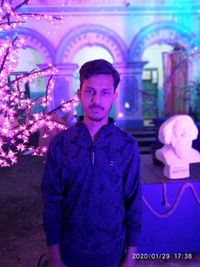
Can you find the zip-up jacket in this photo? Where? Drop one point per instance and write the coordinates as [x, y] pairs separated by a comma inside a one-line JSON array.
[[92, 195]]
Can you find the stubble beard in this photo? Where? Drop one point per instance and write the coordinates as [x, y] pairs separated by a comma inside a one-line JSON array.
[[99, 119], [96, 119]]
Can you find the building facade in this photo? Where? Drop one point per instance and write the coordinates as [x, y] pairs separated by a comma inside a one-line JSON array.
[[122, 30]]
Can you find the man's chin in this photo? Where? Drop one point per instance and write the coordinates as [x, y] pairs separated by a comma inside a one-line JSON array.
[[97, 119]]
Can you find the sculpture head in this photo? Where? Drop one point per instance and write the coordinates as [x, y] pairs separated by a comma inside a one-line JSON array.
[[178, 132]]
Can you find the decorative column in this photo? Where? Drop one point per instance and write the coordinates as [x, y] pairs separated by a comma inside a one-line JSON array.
[[129, 105], [64, 87], [64, 83]]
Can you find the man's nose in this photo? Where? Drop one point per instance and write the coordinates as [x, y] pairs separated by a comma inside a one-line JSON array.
[[96, 98]]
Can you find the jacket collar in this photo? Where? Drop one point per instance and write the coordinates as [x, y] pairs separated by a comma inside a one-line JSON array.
[[84, 134]]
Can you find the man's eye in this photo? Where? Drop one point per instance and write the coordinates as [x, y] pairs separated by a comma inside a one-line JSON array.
[[89, 91], [105, 93]]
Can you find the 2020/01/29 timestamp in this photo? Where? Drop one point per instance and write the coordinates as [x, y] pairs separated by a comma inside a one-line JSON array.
[[161, 256]]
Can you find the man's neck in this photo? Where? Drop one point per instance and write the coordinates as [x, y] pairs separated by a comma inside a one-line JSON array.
[[94, 126]]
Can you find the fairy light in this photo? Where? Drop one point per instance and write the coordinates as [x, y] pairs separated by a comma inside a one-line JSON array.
[[127, 105], [15, 130], [12, 18], [120, 115]]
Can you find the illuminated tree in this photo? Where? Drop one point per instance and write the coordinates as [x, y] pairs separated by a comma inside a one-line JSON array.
[[17, 120]]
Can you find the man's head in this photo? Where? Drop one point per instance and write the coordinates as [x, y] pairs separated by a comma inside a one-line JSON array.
[[98, 83], [98, 66]]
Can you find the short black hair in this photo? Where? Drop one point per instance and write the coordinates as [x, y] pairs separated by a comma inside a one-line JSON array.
[[98, 66]]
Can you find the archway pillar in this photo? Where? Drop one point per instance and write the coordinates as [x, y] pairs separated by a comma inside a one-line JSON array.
[[64, 82], [129, 105], [63, 88]]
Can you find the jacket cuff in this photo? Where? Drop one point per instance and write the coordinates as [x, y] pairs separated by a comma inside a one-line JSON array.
[[132, 240], [52, 236]]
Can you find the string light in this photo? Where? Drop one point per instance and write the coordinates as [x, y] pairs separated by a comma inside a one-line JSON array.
[[12, 18], [17, 121], [120, 115]]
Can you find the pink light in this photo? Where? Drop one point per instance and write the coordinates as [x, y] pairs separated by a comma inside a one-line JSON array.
[[13, 100]]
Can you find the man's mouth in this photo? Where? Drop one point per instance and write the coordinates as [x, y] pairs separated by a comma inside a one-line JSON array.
[[96, 108]]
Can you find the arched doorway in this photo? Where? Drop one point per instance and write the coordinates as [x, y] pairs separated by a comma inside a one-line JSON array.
[[91, 35], [90, 42], [150, 44], [153, 80], [37, 87], [37, 50]]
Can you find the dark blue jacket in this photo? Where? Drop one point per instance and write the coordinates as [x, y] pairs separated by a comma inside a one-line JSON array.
[[92, 195]]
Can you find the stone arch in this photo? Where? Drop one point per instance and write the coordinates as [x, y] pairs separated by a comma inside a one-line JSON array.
[[87, 35], [162, 32], [38, 42]]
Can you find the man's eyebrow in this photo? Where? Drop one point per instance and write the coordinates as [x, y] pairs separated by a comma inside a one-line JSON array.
[[89, 87], [103, 89], [106, 89]]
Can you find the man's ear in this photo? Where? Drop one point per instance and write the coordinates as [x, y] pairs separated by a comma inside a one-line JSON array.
[[79, 94], [115, 97]]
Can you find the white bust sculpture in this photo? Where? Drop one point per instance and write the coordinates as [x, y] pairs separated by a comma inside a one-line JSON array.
[[177, 134]]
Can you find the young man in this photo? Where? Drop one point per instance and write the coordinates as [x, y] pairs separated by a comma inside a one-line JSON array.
[[91, 183]]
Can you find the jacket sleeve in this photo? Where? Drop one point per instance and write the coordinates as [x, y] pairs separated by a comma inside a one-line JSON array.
[[133, 197], [52, 193]]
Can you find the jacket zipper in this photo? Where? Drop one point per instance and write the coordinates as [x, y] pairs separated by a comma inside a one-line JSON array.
[[93, 153]]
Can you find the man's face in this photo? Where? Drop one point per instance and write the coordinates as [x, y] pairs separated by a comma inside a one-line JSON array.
[[97, 96]]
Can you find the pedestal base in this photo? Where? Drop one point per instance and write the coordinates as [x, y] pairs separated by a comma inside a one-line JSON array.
[[177, 172]]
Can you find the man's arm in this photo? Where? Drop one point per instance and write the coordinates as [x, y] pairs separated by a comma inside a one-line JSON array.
[[133, 206], [52, 192]]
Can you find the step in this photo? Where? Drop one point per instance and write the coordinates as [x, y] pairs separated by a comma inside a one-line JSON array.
[[145, 139], [141, 134], [145, 150]]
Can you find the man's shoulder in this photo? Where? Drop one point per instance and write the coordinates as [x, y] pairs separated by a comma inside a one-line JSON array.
[[66, 134], [124, 136]]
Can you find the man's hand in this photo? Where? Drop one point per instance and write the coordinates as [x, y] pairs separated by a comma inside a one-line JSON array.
[[129, 260], [128, 263], [56, 263], [54, 257]]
